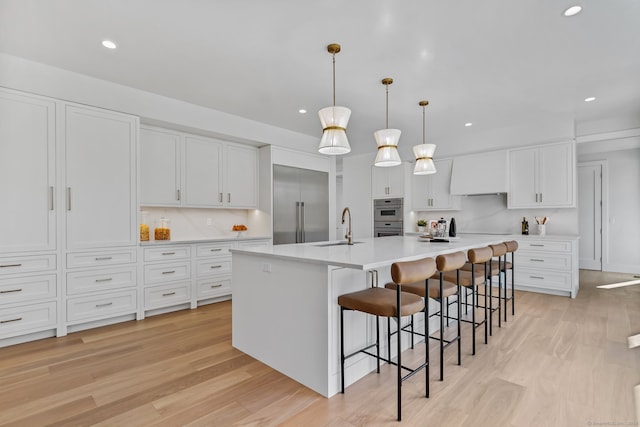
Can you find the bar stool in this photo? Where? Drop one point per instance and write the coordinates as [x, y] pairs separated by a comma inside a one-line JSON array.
[[383, 302], [449, 263], [512, 247], [478, 260]]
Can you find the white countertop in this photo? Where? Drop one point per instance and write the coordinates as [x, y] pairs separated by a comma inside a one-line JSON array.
[[371, 252], [207, 240]]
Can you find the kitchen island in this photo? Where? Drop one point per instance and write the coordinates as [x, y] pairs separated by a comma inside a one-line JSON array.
[[285, 310]]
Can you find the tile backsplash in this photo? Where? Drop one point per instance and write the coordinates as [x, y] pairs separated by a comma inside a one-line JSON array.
[[196, 224]]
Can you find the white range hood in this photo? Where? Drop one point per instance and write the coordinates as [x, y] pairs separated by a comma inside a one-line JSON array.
[[479, 174]]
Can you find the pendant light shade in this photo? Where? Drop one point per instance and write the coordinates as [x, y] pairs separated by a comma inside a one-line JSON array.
[[334, 123], [334, 119], [387, 139], [424, 152]]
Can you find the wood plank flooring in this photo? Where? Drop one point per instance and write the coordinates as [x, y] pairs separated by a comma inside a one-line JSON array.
[[558, 362]]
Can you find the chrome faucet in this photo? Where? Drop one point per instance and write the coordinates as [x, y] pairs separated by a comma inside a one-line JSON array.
[[348, 235]]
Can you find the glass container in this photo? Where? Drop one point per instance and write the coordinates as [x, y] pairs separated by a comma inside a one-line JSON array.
[[144, 226], [163, 230]]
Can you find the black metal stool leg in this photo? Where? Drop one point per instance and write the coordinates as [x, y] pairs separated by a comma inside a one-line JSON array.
[[342, 347], [399, 371]]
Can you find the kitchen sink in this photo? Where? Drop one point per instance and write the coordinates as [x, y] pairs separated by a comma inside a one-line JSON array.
[[324, 245]]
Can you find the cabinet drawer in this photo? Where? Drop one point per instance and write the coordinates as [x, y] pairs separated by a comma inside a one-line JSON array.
[[27, 288], [543, 279], [210, 267], [167, 253], [214, 287], [167, 272], [544, 245], [27, 318], [167, 295], [79, 282], [214, 249], [97, 259], [542, 260], [254, 243], [27, 264], [96, 307]]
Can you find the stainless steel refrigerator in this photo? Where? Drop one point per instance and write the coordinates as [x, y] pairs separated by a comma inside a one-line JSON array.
[[300, 205]]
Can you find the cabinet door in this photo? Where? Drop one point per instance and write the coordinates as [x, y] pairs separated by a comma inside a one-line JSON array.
[[441, 198], [241, 177], [203, 175], [27, 173], [556, 177], [100, 178], [523, 171], [159, 168], [421, 192], [387, 182]]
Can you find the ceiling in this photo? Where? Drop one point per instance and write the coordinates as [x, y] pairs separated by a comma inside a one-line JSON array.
[[511, 68]]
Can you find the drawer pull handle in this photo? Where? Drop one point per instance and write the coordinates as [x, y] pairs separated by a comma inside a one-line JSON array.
[[103, 258], [106, 304], [537, 277], [10, 265], [168, 294], [168, 272], [216, 250], [539, 246], [104, 280], [10, 291], [17, 319], [536, 260], [216, 286], [216, 266], [168, 253]]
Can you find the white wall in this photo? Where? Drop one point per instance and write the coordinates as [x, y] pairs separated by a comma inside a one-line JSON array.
[[621, 247]]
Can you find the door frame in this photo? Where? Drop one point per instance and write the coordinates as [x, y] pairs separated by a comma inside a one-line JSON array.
[[604, 214]]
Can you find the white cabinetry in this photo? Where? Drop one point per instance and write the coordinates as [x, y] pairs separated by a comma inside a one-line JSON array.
[[28, 259], [167, 276], [547, 264], [160, 167], [542, 177], [431, 192], [100, 172], [27, 173], [194, 171], [387, 182]]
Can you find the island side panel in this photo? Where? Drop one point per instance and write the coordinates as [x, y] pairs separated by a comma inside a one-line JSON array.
[[281, 317]]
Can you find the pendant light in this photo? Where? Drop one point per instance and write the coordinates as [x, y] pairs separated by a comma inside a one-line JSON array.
[[387, 139], [424, 152], [334, 119]]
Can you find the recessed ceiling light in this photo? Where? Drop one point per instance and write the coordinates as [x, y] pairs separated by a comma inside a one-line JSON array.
[[589, 99], [302, 111], [468, 124], [109, 44], [573, 10]]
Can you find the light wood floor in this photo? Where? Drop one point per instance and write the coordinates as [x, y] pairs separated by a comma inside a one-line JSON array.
[[558, 362]]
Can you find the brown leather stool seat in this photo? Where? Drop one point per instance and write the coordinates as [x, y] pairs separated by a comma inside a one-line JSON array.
[[448, 289], [390, 303]]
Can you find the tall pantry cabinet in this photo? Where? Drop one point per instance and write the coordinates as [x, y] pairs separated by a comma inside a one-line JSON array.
[[68, 223]]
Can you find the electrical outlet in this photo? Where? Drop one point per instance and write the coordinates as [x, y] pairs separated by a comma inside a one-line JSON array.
[[266, 267], [209, 221]]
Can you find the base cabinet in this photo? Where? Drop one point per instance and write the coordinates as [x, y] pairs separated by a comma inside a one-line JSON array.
[[548, 265]]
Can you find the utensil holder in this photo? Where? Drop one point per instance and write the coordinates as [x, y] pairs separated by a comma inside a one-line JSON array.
[[542, 229]]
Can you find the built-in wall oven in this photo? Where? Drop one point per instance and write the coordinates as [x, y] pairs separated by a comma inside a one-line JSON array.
[[387, 217]]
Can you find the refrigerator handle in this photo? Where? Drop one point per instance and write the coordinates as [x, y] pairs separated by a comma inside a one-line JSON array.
[[297, 222], [302, 232]]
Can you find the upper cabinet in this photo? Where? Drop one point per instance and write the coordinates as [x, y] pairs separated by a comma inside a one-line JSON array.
[[542, 177], [193, 171], [100, 178], [432, 192], [387, 182], [27, 173]]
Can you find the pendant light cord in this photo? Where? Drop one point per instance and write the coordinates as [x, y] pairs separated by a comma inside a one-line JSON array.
[[423, 137], [334, 79], [387, 113]]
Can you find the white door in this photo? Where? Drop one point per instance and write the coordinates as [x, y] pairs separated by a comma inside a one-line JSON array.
[[27, 173], [159, 168], [241, 177], [100, 149], [556, 175], [202, 174], [523, 174], [590, 215]]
